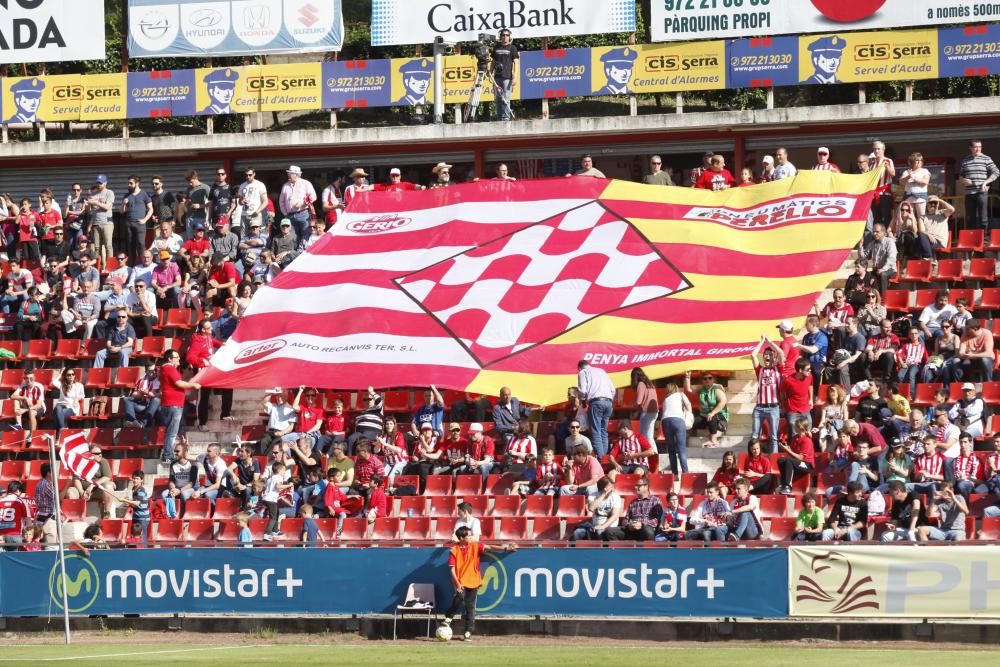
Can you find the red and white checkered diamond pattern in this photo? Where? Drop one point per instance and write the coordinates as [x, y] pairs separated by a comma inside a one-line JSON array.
[[531, 286]]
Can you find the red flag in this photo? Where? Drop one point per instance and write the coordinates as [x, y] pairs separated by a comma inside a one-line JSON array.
[[75, 455]]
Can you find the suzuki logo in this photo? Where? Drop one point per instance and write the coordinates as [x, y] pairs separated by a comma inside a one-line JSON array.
[[257, 17], [308, 16]]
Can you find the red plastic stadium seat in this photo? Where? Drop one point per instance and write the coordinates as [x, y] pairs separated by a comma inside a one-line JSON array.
[[547, 528], [949, 269], [406, 480], [498, 485], [128, 466], [386, 528], [12, 441], [923, 298], [479, 504], [75, 509], [572, 506], [201, 530], [168, 530], [396, 401], [98, 378], [179, 318], [125, 378], [773, 506], [989, 299], [412, 506], [978, 502], [228, 531], [925, 394], [897, 300], [12, 346], [625, 482], [197, 508], [513, 528], [7, 410], [990, 528], [506, 505], [39, 349], [417, 528], [468, 485], [442, 506], [970, 240], [917, 271], [438, 485], [113, 529], [444, 527], [660, 484], [67, 349], [152, 347], [11, 378], [291, 529], [538, 506], [226, 508], [693, 483], [782, 529], [11, 470], [355, 529], [982, 269], [994, 242]]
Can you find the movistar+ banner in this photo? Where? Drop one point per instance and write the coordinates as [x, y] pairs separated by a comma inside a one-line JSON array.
[[618, 582]]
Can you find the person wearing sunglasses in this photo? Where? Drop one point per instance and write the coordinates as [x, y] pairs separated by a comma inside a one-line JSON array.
[[309, 417]]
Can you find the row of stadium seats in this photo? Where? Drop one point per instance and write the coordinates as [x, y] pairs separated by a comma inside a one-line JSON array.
[[68, 350], [948, 270], [914, 301]]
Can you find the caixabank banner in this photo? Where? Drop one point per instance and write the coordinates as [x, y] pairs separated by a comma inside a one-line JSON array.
[[680, 20], [623, 582], [891, 582], [193, 28]]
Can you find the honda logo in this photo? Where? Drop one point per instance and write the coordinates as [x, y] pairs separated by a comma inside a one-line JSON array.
[[257, 17]]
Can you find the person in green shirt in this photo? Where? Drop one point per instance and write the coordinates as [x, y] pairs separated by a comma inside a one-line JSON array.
[[809, 523]]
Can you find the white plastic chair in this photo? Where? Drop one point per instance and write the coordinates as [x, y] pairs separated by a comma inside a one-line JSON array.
[[416, 592]]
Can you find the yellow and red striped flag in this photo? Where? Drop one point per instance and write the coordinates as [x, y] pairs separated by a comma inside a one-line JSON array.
[[501, 283]]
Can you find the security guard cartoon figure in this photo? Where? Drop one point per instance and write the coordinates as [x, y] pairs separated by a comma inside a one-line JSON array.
[[27, 96], [416, 80], [618, 66], [826, 55], [221, 87]]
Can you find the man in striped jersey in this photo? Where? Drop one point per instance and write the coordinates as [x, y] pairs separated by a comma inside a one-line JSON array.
[[929, 469], [29, 399], [975, 174], [768, 380], [965, 467], [823, 160], [368, 423], [882, 203]]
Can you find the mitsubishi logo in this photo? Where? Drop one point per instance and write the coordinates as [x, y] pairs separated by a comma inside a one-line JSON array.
[[308, 15]]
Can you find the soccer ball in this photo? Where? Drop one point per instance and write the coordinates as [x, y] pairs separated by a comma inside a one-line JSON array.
[[443, 633]]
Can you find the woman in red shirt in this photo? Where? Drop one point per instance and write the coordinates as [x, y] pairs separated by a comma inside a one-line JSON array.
[[801, 459], [757, 469], [201, 346], [27, 232], [727, 473]]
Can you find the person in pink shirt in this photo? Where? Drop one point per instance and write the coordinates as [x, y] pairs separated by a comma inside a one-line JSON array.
[[584, 473]]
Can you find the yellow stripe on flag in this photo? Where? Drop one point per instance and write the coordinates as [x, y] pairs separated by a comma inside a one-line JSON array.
[[749, 288], [625, 331], [806, 237]]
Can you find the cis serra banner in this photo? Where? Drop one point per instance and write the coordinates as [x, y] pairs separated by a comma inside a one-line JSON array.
[[495, 283]]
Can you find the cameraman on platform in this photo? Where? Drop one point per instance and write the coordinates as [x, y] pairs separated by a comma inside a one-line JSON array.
[[504, 55]]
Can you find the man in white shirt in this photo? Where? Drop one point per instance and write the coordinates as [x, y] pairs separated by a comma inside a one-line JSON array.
[[782, 167], [296, 200], [933, 315], [598, 392], [251, 202], [281, 418]]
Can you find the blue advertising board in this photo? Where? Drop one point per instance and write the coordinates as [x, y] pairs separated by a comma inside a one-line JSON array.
[[763, 62], [160, 94], [969, 51], [212, 28], [555, 73], [575, 582], [356, 84]]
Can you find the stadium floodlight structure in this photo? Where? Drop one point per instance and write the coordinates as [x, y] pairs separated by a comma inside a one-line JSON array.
[[441, 49]]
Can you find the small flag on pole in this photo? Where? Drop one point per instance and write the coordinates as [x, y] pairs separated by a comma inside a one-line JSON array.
[[75, 455]]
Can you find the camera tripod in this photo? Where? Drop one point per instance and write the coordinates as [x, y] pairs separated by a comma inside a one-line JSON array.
[[472, 108]]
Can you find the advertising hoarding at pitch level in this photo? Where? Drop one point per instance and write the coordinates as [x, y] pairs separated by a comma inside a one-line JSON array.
[[420, 21], [681, 20], [192, 28], [43, 31]]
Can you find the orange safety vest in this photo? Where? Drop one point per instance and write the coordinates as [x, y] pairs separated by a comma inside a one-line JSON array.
[[466, 564]]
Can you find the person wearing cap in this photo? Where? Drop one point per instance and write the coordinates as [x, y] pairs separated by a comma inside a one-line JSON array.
[[455, 449], [359, 183], [283, 245], [224, 242], [222, 281], [197, 194], [253, 242], [220, 84], [975, 352], [197, 246], [102, 227], [716, 177], [251, 199], [504, 55], [823, 161], [767, 170], [618, 65], [27, 94], [656, 175], [934, 223], [827, 53], [443, 172], [789, 347], [969, 412], [480, 452], [137, 207], [587, 168], [165, 281], [416, 76], [296, 200], [396, 183]]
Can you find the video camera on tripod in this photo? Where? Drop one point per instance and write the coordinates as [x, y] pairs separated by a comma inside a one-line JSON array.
[[483, 52]]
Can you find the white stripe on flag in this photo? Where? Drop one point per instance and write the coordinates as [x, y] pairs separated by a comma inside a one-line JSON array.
[[329, 299], [75, 455], [370, 348], [398, 260]]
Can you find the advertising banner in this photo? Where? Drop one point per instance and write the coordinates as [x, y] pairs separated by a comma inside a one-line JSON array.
[[35, 98], [886, 582], [658, 68], [225, 90], [679, 20], [43, 31], [460, 78], [207, 28], [105, 96], [423, 254], [555, 73], [969, 51], [763, 62], [625, 582], [161, 94], [857, 57], [412, 82], [420, 21], [356, 83], [293, 87]]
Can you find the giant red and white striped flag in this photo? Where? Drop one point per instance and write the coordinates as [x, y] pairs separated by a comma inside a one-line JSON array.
[[75, 455], [496, 283]]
